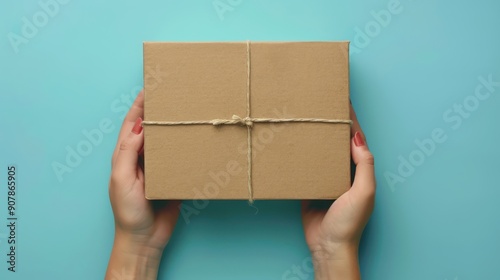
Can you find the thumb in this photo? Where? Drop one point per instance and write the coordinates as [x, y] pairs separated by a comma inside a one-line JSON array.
[[364, 179], [129, 149]]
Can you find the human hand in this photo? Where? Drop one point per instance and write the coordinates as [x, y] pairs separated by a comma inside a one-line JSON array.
[[333, 235], [142, 230]]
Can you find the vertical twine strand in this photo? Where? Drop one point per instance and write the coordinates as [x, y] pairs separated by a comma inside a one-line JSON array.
[[249, 130]]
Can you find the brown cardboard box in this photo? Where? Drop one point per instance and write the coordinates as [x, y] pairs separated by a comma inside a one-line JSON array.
[[207, 81]]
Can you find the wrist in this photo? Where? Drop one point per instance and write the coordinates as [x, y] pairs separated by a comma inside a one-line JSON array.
[[336, 261], [133, 258], [134, 245]]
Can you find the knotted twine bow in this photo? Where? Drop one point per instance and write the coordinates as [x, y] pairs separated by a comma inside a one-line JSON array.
[[248, 122]]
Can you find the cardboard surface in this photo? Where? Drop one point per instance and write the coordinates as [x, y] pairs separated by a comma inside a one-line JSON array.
[[206, 81]]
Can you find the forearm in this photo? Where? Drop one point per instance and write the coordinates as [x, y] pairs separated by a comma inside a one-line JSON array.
[[132, 261], [342, 264]]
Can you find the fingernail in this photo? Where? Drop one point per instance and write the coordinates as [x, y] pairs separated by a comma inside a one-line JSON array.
[[358, 140], [137, 126]]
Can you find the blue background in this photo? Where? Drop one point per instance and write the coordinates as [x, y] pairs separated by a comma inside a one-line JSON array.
[[85, 62]]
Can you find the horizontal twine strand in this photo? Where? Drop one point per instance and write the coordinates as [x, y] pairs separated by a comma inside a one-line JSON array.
[[247, 121]]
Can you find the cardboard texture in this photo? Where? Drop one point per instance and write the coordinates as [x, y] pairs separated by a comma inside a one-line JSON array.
[[206, 81]]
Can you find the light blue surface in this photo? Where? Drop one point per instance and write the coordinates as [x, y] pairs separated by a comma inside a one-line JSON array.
[[440, 223]]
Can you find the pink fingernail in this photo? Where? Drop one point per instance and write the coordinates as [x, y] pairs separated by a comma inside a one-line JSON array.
[[358, 140], [137, 126]]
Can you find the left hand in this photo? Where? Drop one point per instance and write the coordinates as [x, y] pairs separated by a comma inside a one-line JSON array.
[[141, 231]]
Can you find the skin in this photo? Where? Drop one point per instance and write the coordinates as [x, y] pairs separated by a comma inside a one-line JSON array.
[[142, 230], [333, 234]]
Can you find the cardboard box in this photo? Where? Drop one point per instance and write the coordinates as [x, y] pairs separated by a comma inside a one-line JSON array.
[[208, 81]]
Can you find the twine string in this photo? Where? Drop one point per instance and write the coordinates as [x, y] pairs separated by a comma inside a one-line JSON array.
[[247, 121]]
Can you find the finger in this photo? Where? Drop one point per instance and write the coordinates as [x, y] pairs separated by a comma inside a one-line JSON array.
[[314, 208], [305, 211], [311, 214], [355, 127], [136, 111], [305, 205], [170, 211], [128, 151], [305, 208], [364, 179]]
